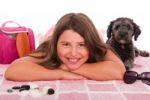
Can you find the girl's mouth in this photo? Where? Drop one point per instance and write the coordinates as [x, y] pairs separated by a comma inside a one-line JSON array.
[[73, 60]]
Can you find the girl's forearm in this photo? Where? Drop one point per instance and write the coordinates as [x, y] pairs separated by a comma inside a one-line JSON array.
[[28, 71], [106, 70]]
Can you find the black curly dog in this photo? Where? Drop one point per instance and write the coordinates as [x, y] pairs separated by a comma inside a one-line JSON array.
[[120, 33]]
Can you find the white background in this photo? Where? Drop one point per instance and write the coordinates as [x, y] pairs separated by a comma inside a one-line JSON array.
[[40, 15]]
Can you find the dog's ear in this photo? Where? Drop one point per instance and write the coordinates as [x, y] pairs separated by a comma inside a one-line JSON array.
[[109, 29], [137, 31]]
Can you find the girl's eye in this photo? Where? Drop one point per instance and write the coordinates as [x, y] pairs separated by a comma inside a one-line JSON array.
[[82, 45], [65, 44]]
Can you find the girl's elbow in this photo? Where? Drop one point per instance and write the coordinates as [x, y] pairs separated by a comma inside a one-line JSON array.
[[8, 75], [119, 73], [11, 73]]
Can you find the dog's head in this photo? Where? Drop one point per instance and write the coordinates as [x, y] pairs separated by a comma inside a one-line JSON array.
[[123, 29]]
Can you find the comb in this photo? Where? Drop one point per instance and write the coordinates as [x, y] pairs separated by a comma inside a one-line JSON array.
[[22, 44]]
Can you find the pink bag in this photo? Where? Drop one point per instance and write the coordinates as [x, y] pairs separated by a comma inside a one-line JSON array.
[[8, 45]]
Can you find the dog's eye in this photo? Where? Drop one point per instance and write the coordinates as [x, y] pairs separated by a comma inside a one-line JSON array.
[[128, 26], [117, 27]]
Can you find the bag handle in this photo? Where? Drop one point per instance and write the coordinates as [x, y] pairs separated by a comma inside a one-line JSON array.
[[10, 30], [7, 22]]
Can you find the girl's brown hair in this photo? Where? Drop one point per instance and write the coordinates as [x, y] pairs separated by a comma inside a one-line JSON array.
[[81, 24]]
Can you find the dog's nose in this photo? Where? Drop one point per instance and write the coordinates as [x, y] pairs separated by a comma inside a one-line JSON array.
[[123, 34]]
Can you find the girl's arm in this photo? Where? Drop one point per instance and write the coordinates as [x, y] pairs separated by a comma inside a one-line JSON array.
[[111, 68], [26, 69]]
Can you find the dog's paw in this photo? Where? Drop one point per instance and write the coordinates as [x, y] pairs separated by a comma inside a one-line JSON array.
[[128, 64], [144, 54], [136, 52]]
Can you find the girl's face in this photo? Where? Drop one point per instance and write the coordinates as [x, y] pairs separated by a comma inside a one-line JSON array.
[[72, 49]]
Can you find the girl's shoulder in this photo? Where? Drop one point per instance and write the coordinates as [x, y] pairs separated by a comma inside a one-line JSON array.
[[34, 57]]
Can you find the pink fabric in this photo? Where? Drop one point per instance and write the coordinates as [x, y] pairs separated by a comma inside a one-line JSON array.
[[84, 89]]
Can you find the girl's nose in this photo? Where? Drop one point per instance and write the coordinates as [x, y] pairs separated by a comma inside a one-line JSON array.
[[74, 51]]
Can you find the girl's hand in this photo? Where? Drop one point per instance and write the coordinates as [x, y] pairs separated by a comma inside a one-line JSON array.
[[66, 75], [64, 67]]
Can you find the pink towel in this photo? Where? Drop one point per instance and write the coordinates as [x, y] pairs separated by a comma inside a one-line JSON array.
[[83, 89]]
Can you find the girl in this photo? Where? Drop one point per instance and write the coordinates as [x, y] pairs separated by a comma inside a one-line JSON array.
[[74, 51]]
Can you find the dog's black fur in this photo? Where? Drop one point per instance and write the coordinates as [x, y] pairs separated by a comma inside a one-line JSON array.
[[120, 33]]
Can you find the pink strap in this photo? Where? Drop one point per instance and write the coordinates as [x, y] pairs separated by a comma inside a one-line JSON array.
[[9, 30], [8, 22]]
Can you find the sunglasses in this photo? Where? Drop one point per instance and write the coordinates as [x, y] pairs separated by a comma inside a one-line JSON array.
[[131, 76]]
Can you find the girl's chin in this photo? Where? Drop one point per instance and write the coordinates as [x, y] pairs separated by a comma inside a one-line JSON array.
[[71, 68]]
